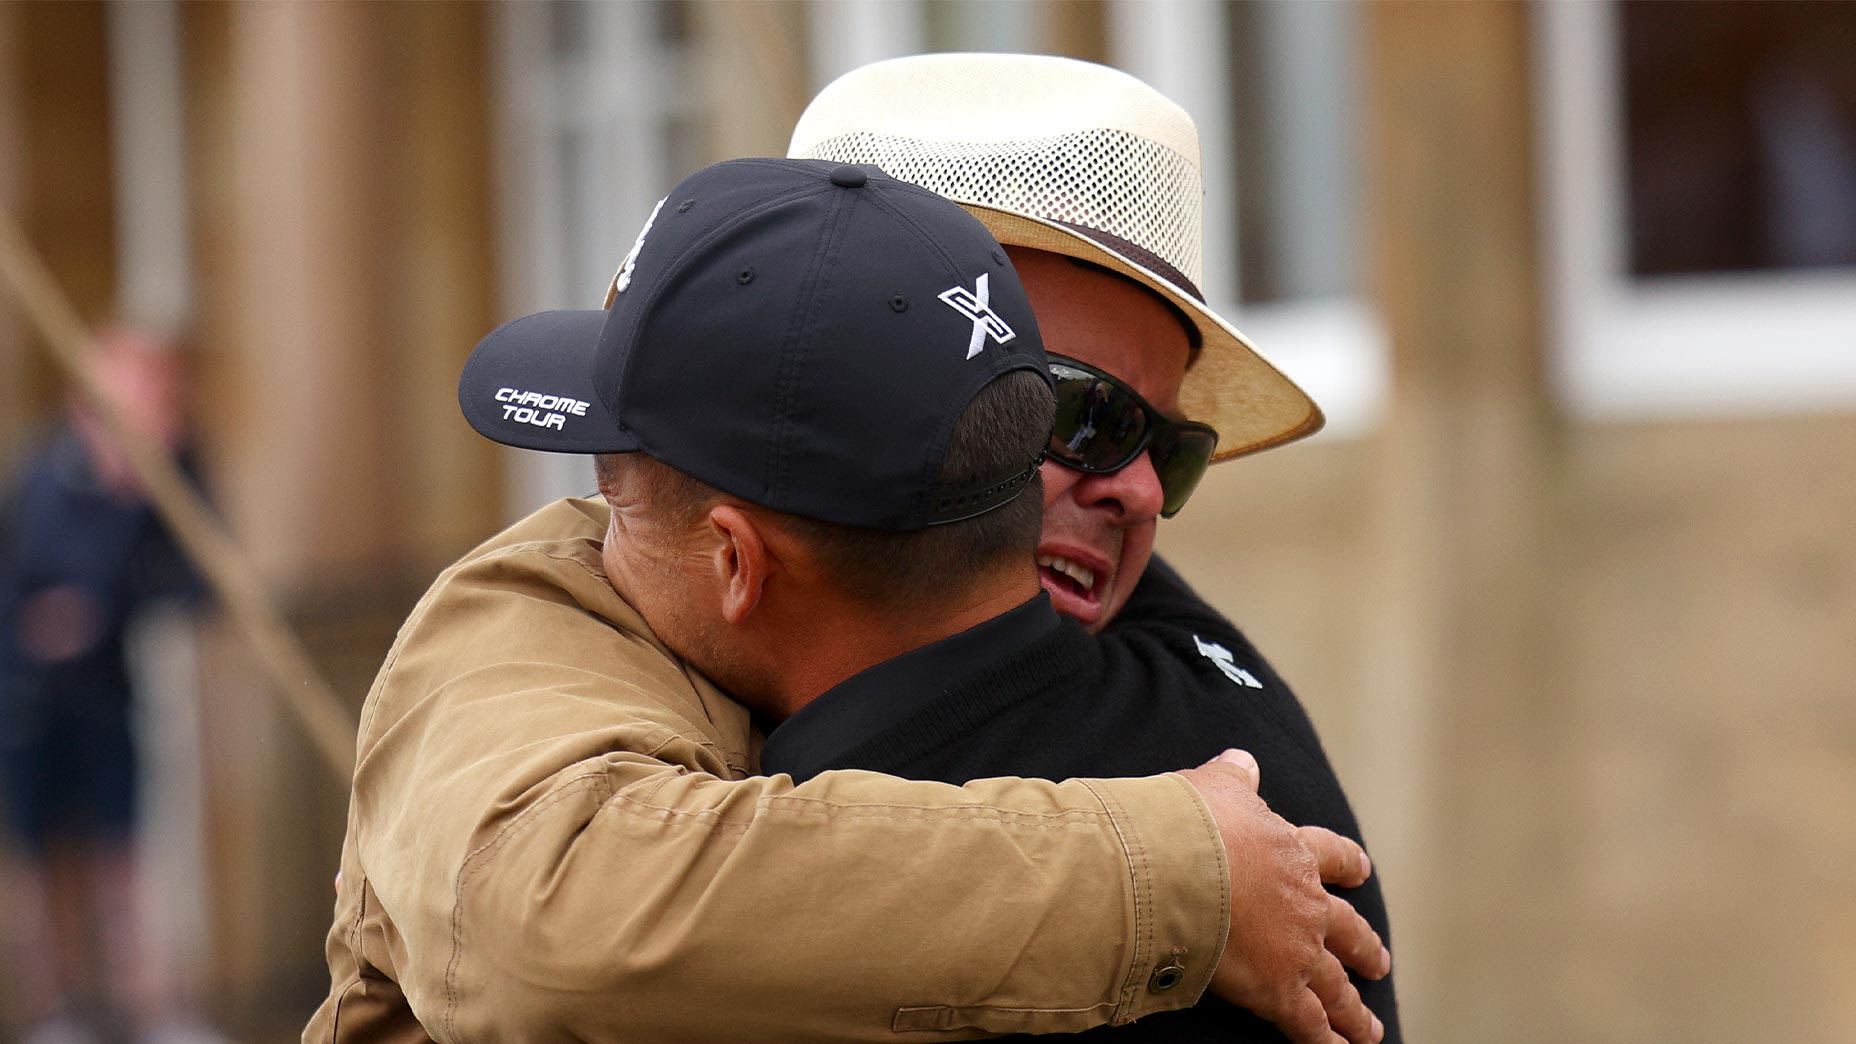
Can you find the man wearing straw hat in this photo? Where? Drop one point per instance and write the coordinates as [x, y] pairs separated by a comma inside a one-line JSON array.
[[816, 401], [1091, 179]]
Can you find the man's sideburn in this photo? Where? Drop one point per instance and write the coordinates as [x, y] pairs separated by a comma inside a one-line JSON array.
[[666, 568]]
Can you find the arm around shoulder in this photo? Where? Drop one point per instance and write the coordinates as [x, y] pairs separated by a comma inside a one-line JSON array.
[[565, 854], [845, 909]]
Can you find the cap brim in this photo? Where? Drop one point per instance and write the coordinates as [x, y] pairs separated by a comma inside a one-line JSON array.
[[1230, 386], [530, 384]]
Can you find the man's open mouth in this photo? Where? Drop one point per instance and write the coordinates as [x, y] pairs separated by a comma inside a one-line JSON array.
[[1061, 574]]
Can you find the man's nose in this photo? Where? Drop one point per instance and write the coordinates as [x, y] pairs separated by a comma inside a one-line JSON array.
[[1132, 495]]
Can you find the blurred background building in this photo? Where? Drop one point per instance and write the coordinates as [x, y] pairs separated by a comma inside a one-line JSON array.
[[1569, 582]]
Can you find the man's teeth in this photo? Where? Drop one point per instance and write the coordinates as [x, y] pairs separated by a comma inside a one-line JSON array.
[[1083, 575]]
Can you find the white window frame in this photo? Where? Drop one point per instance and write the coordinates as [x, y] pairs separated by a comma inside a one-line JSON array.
[[1624, 347], [846, 34], [618, 96], [1336, 348]]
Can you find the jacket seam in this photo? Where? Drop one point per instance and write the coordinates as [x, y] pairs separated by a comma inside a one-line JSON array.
[[991, 1009], [1050, 820], [1220, 866], [663, 736], [663, 778], [354, 927], [529, 547], [628, 803], [335, 1021], [560, 556], [1141, 884], [472, 863]]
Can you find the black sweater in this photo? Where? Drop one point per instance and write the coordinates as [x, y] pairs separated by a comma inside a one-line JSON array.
[[1168, 686]]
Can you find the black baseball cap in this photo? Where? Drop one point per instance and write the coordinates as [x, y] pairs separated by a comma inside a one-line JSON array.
[[798, 333]]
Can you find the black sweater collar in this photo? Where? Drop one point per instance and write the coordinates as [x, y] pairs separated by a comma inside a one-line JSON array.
[[876, 700]]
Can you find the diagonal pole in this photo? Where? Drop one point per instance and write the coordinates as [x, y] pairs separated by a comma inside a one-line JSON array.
[[305, 695]]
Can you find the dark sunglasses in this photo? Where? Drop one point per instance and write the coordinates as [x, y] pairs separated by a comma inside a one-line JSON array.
[[1103, 425]]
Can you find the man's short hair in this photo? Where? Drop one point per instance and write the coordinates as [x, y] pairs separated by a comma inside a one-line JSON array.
[[1006, 425]]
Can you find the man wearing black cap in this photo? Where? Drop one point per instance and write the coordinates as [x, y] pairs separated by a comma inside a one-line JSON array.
[[816, 399]]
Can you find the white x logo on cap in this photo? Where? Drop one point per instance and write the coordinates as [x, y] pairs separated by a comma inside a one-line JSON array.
[[974, 305]]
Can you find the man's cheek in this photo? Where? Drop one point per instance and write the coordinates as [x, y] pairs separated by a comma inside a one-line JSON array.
[[1058, 481], [1137, 548]]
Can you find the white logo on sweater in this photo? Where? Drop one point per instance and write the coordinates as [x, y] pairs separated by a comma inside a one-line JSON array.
[[1227, 663]]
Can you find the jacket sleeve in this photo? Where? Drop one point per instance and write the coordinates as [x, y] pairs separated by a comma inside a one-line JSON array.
[[565, 856]]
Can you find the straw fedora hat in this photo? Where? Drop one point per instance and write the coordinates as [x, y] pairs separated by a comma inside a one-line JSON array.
[[1077, 159]]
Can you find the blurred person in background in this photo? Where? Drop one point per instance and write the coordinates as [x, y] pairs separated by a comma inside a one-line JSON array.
[[81, 555], [1091, 180]]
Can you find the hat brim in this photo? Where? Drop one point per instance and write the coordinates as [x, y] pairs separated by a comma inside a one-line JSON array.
[[530, 384], [1230, 386]]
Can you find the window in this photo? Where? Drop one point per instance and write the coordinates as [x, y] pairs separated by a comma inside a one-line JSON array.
[[1740, 135], [1274, 90], [593, 122], [1698, 171]]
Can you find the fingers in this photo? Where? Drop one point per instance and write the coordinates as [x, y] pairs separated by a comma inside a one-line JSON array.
[[1306, 1021], [1342, 861], [1354, 942], [1241, 761], [1341, 1004]]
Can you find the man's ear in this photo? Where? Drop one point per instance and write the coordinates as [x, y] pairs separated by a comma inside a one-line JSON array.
[[743, 561]]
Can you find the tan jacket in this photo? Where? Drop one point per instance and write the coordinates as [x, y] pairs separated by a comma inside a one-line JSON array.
[[556, 834]]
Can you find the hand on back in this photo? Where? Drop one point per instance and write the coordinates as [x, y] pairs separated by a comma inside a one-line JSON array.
[[1290, 942]]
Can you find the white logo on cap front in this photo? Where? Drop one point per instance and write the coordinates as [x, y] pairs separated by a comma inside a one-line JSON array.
[[974, 304], [623, 277], [539, 408]]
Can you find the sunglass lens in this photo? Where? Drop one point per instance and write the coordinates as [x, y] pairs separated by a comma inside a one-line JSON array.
[[1181, 455], [1099, 427]]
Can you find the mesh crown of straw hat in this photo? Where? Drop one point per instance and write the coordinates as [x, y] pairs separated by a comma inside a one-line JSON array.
[[1077, 159]]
